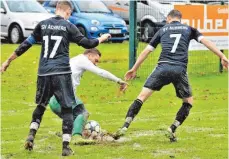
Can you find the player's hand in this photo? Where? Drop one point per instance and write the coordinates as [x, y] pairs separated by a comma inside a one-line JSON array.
[[225, 62], [106, 37], [131, 74], [4, 66], [123, 85]]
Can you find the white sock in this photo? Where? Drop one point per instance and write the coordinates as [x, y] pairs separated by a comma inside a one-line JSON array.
[[67, 137]]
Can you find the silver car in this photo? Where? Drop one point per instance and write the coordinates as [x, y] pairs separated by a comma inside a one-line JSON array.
[[151, 14], [19, 18]]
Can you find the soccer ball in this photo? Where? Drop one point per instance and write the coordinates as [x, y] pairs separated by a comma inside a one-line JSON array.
[[91, 129]]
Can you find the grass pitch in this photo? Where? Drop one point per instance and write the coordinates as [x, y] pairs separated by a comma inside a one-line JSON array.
[[204, 135]]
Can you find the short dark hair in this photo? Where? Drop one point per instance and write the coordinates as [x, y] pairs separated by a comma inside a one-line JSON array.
[[64, 3], [93, 51], [175, 14]]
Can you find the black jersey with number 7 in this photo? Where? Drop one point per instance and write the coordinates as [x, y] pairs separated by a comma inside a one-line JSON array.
[[175, 38], [55, 35]]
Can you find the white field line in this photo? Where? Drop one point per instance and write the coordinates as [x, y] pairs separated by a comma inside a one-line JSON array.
[[171, 152]]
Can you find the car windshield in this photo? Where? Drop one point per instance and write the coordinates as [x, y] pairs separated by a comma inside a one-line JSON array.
[[92, 6], [25, 6]]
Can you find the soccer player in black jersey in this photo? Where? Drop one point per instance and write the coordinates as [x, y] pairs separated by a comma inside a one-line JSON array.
[[54, 73], [172, 68]]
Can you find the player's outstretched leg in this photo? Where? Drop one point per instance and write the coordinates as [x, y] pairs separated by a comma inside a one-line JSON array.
[[80, 118], [67, 126], [133, 111], [181, 115], [35, 123], [78, 127]]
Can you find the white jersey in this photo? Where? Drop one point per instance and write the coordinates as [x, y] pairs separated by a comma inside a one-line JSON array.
[[79, 64]]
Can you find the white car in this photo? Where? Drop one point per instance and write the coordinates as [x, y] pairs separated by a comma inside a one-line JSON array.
[[19, 18]]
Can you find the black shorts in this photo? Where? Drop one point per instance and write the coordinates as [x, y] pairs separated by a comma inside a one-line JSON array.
[[58, 85], [165, 74]]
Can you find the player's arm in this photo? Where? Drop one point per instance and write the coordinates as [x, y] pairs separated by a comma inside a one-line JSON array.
[[77, 37], [22, 48], [101, 72], [144, 54], [105, 74], [210, 45]]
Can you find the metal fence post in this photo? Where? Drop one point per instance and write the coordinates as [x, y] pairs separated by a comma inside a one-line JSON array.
[[132, 33], [220, 65]]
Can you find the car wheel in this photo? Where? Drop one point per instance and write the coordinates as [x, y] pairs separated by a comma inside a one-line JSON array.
[[82, 30], [15, 34], [147, 31]]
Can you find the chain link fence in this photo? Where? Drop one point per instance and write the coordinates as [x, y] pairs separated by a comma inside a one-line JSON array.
[[150, 18]]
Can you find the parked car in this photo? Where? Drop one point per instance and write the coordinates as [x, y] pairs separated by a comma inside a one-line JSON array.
[[212, 2], [151, 14], [173, 1], [218, 3], [93, 19], [19, 18]]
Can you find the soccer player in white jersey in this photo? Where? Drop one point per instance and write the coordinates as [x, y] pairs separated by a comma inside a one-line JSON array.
[[79, 64]]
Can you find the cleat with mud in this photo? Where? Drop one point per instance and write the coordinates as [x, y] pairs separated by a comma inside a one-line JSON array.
[[29, 143], [67, 151], [78, 140], [121, 132], [171, 135]]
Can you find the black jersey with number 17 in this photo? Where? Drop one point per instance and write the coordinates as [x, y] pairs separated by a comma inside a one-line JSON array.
[[175, 38], [55, 34]]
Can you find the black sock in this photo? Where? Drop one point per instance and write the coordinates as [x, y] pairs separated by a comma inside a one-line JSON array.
[[32, 132], [173, 128], [126, 125], [181, 115], [67, 125], [38, 114], [65, 144], [132, 112], [36, 119]]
